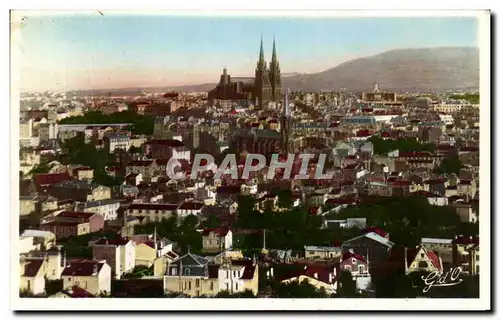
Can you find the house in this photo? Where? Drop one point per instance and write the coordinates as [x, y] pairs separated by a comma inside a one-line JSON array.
[[348, 223], [356, 264], [151, 212], [319, 276], [45, 239], [106, 208], [56, 262], [90, 275], [80, 191], [323, 253], [194, 276], [70, 223], [359, 267], [216, 240], [466, 254], [190, 207], [118, 253], [147, 252], [30, 204], [83, 173], [369, 244], [115, 141], [417, 259], [443, 247], [160, 265], [33, 276], [45, 180], [434, 199], [465, 211]]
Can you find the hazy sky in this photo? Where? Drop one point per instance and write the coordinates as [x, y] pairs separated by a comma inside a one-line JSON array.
[[62, 52]]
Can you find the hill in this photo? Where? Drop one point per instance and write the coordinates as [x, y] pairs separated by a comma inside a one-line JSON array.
[[403, 69]]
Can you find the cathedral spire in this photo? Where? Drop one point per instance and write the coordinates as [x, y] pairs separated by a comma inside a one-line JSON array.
[[262, 60], [274, 58]]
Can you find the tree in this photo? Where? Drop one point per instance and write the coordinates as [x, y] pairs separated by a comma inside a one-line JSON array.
[[212, 221], [450, 164], [347, 286], [295, 289]]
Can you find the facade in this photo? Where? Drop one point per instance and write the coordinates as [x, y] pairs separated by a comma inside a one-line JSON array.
[[118, 253], [117, 141], [151, 212], [147, 252], [33, 276], [70, 223], [92, 276], [324, 253], [106, 208], [216, 240], [194, 276]]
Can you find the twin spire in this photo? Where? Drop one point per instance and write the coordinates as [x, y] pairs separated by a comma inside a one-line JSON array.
[[274, 58]]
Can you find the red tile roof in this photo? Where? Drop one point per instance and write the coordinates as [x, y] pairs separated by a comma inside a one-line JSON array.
[[32, 267], [248, 273], [377, 230], [349, 255], [83, 268], [46, 179], [221, 232]]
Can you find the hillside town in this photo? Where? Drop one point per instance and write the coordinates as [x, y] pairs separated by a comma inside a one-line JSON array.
[[390, 203]]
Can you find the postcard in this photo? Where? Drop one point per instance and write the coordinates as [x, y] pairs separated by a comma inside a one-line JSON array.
[[316, 160]]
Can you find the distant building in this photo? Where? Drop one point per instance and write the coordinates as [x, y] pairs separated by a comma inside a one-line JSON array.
[[263, 88]]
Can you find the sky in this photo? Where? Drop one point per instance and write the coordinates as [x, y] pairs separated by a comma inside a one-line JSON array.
[[94, 51]]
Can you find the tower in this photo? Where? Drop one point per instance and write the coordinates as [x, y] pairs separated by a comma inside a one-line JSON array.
[[263, 89], [275, 76], [286, 125]]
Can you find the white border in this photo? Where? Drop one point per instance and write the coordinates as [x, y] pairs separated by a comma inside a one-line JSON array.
[[281, 304]]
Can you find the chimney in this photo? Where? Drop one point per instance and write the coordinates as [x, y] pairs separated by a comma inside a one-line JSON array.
[[330, 277], [316, 275], [351, 250]]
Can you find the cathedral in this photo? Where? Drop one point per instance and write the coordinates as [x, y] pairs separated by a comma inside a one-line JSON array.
[[263, 88]]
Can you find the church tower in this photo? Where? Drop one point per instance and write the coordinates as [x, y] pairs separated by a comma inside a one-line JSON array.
[[263, 88], [286, 125], [275, 76]]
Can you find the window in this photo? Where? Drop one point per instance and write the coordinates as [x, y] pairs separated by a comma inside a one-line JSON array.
[[477, 269], [361, 268], [227, 286], [477, 257], [236, 286], [211, 286], [197, 283], [174, 271], [187, 271], [422, 255], [422, 264], [189, 285], [348, 267]]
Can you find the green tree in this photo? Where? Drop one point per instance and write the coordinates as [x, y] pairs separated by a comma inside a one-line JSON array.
[[347, 286]]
